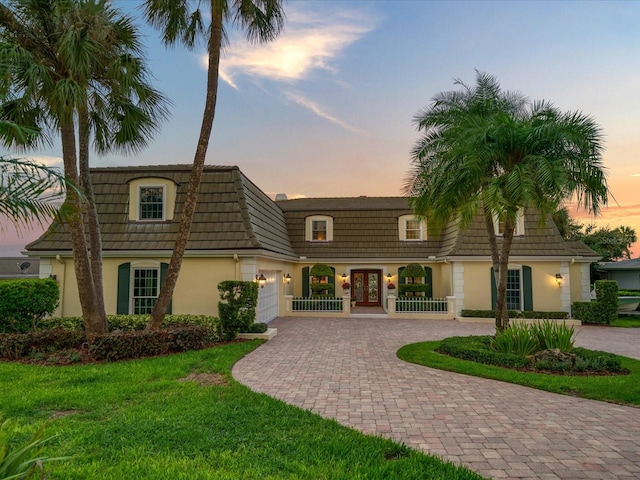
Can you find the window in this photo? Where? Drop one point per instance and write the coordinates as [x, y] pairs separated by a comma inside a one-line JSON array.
[[514, 291], [498, 224], [318, 230], [146, 282], [151, 203], [411, 228]]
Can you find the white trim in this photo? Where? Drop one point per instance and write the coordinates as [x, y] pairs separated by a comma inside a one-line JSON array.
[[137, 266], [402, 228], [308, 228], [519, 231], [164, 203]]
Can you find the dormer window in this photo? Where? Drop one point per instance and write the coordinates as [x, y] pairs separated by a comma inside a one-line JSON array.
[[498, 224], [152, 199], [412, 229], [319, 228]]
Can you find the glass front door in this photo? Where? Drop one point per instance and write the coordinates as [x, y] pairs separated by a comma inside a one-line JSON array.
[[366, 287]]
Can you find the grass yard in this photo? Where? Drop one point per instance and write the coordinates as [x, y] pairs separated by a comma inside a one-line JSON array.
[[140, 419], [624, 389], [627, 321]]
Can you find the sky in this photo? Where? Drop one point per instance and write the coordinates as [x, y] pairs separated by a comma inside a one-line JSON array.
[[327, 109]]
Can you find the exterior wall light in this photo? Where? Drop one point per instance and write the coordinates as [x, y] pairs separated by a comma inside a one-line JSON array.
[[287, 278], [558, 279], [262, 280], [344, 277], [389, 277]]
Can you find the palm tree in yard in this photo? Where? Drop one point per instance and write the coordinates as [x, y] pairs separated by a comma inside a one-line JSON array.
[[74, 68], [485, 150], [183, 21], [29, 192]]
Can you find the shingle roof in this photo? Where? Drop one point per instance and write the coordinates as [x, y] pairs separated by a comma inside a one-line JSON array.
[[632, 264], [232, 214], [367, 227]]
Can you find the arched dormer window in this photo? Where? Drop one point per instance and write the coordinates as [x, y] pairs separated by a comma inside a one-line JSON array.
[[152, 199]]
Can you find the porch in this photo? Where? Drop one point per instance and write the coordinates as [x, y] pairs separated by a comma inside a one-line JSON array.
[[396, 307]]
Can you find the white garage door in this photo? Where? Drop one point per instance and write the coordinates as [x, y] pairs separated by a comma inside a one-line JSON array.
[[268, 298]]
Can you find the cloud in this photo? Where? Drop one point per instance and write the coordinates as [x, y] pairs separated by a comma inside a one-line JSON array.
[[318, 110], [309, 41], [636, 175]]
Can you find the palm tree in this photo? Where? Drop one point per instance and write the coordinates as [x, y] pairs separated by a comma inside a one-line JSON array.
[[486, 150], [629, 237], [29, 192], [74, 67], [183, 21]]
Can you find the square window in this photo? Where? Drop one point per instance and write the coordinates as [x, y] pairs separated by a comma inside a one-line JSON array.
[[151, 203], [413, 230], [319, 230]]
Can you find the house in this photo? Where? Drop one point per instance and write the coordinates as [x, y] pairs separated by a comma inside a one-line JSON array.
[[12, 268], [625, 272], [240, 233]]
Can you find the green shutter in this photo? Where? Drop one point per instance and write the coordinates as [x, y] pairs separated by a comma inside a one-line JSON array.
[[494, 291], [527, 288], [163, 274], [124, 272], [305, 282], [401, 279], [332, 279], [429, 280]]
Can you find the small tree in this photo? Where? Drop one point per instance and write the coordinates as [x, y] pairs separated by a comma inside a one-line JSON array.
[[411, 273], [237, 306], [319, 272]]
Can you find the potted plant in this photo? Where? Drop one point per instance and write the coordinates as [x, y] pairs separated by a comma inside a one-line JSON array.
[[346, 286], [391, 286]]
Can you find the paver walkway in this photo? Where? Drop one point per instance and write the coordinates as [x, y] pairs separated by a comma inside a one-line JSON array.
[[347, 369]]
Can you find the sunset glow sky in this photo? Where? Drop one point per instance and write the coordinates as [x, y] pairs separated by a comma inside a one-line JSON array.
[[327, 109]]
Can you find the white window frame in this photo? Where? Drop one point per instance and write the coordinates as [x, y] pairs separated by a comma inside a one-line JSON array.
[[164, 203], [309, 228], [519, 224], [520, 285], [132, 286], [402, 228]]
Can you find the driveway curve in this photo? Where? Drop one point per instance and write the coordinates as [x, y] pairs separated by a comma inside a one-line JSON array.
[[347, 369]]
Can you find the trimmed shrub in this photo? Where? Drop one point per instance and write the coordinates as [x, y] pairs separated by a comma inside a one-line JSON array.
[[23, 303], [144, 343], [414, 288], [257, 328], [516, 314], [607, 295], [14, 346], [413, 270], [589, 312], [597, 361], [321, 270], [478, 349], [237, 306]]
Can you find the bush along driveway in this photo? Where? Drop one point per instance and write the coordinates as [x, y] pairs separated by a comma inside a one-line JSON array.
[[347, 369]]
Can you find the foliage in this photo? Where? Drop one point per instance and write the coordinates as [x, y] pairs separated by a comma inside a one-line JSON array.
[[321, 270], [320, 287], [143, 343], [18, 345], [607, 295], [517, 339], [237, 306], [610, 243], [477, 349], [508, 154], [22, 462], [405, 288], [23, 303], [604, 309], [148, 420], [609, 388], [346, 286], [413, 270], [257, 328], [516, 314], [628, 293], [30, 192], [552, 335], [391, 286]]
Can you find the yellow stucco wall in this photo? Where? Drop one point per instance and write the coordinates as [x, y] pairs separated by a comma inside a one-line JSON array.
[[546, 292]]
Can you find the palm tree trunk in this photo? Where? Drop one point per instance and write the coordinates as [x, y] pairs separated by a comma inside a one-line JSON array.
[[502, 313], [189, 207], [91, 215], [86, 291]]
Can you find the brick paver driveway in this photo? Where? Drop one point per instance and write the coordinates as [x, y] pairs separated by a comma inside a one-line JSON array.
[[347, 369]]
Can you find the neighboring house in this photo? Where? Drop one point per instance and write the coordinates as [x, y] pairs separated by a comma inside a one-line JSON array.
[[240, 233], [625, 272], [19, 267]]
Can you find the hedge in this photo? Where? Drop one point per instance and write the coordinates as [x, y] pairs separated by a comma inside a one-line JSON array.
[[237, 306], [604, 309], [23, 303], [517, 314]]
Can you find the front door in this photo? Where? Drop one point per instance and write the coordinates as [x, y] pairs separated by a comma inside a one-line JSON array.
[[366, 287]]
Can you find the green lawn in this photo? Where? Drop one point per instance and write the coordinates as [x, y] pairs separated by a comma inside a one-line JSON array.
[[617, 389], [136, 420], [627, 321]]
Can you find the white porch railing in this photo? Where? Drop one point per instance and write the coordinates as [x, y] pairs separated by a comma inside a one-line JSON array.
[[311, 304], [421, 304]]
